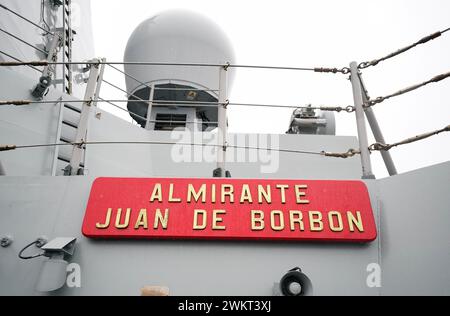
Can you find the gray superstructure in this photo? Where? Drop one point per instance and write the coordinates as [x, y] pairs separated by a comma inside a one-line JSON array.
[[411, 210]]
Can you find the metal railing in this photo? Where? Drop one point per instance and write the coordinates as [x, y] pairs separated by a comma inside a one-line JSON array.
[[362, 102]]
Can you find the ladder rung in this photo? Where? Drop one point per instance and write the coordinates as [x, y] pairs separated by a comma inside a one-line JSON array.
[[70, 124], [65, 140], [70, 107], [64, 159]]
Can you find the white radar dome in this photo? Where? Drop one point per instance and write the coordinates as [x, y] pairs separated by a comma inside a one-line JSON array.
[[177, 36]]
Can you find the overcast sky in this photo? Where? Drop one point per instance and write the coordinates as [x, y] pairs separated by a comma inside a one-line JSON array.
[[316, 33]]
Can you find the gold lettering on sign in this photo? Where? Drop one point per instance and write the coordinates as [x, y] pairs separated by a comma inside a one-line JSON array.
[[352, 221], [213, 193], [142, 219], [171, 198], [264, 193], [315, 224], [296, 217], [196, 225], [217, 219], [192, 194], [126, 220], [340, 225], [245, 194], [257, 222], [107, 220], [273, 225], [160, 219], [299, 194], [157, 193], [282, 188], [227, 190]]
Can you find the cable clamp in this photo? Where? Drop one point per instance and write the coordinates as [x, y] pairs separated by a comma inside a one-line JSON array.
[[345, 70], [350, 109], [348, 154], [7, 147], [379, 147]]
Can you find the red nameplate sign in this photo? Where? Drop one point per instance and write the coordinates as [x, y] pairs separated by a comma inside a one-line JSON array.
[[226, 208]]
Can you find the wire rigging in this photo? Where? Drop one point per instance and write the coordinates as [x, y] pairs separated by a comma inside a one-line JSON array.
[[115, 105], [408, 89], [24, 42], [386, 147], [28, 20], [348, 154], [344, 70], [129, 76], [424, 40], [348, 109], [159, 88], [123, 90], [153, 121], [17, 59], [83, 143], [161, 102]]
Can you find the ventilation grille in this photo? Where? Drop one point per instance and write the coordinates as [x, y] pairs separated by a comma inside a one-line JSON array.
[[167, 122]]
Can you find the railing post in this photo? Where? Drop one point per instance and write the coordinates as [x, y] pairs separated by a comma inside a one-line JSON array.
[[99, 81], [77, 151], [222, 123], [360, 123], [376, 131], [150, 105]]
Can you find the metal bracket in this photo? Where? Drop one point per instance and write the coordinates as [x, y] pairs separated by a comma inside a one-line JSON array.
[[64, 245], [49, 71], [218, 173], [6, 240], [56, 3], [55, 44], [41, 241]]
